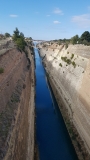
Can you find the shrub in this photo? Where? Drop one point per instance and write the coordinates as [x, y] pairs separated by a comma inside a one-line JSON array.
[[18, 38], [75, 39], [20, 44], [1, 70], [68, 61], [64, 59], [74, 64], [7, 35], [85, 42], [60, 64], [72, 56]]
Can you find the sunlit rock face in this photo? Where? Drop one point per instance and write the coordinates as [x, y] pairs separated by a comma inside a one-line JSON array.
[[69, 69]]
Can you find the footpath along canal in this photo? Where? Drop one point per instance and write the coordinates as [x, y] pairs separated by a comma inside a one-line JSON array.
[[52, 136]]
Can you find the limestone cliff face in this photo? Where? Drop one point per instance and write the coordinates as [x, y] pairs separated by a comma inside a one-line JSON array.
[[15, 97], [69, 71]]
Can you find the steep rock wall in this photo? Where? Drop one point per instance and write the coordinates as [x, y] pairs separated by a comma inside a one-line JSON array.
[[15, 98], [69, 73]]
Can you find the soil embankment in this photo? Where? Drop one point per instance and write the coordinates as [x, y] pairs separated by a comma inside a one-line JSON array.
[[16, 106], [68, 70]]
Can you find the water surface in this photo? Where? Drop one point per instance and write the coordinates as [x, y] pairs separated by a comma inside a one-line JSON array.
[[52, 137]]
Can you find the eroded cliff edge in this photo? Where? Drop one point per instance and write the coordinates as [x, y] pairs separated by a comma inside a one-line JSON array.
[[17, 105], [68, 71]]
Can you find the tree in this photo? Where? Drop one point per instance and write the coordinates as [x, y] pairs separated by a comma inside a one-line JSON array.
[[21, 35], [85, 42], [7, 35], [20, 43], [85, 36], [75, 39], [18, 38], [16, 34]]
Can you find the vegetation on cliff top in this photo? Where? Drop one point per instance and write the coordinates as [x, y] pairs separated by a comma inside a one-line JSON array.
[[7, 35], [83, 39], [18, 38]]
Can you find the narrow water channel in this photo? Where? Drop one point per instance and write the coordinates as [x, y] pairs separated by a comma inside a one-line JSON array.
[[52, 137]]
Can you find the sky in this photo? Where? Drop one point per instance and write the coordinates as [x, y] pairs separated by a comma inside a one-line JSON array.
[[45, 19]]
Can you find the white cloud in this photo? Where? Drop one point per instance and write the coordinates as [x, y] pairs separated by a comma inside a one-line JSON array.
[[13, 15], [58, 11], [82, 20], [48, 15], [56, 22]]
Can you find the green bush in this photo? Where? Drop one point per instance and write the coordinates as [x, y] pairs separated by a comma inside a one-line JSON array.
[[68, 61], [7, 35], [65, 59], [18, 38], [74, 64], [1, 70], [85, 42], [20, 43], [60, 64], [72, 56], [74, 39]]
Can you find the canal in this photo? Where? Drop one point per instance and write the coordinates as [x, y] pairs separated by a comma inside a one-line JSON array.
[[52, 136]]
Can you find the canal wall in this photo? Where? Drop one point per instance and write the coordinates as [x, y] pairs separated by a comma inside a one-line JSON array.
[[16, 106], [68, 70]]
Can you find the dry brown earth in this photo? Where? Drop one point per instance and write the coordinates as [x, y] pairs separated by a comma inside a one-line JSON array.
[[15, 99]]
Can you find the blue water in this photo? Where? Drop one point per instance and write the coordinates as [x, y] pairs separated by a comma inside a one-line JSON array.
[[52, 137]]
